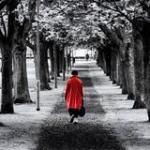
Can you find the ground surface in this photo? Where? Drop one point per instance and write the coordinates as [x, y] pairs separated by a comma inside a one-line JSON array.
[[89, 134], [109, 124]]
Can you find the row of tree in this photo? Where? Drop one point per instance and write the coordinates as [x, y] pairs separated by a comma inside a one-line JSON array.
[[118, 29], [124, 52], [18, 28]]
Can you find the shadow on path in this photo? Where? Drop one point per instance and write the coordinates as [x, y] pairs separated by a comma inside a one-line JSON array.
[[57, 134]]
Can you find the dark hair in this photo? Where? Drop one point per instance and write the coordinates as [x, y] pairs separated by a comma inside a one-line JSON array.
[[74, 72]]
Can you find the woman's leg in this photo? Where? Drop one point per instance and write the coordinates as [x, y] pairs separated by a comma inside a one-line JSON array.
[[76, 113], [72, 115]]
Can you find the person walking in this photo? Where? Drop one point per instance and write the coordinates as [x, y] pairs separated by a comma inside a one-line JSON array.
[[87, 56], [74, 60], [74, 96]]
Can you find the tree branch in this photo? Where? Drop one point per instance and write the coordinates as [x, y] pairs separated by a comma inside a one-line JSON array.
[[4, 26], [1, 36], [110, 34], [118, 11], [30, 45], [3, 3], [27, 24]]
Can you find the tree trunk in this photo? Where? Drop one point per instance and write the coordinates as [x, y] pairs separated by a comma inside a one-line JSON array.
[[63, 66], [114, 66], [67, 62], [21, 90], [55, 64], [146, 43], [126, 59], [118, 69], [107, 61], [123, 79], [129, 63], [7, 100], [138, 64], [47, 66], [58, 60], [103, 63], [61, 60], [44, 77], [51, 53], [101, 60]]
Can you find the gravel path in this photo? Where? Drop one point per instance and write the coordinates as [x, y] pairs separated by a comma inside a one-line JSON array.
[[90, 134]]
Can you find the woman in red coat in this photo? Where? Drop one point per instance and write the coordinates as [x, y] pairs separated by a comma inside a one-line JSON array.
[[74, 96]]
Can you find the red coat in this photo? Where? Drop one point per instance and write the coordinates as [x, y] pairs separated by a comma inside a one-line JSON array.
[[74, 92]]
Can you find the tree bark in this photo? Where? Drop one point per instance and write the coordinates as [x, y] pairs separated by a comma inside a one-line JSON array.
[[63, 66], [108, 66], [129, 63], [138, 64], [69, 61], [114, 66], [7, 100], [127, 68], [58, 60], [101, 59], [55, 64], [123, 78], [44, 77], [21, 90], [61, 60], [118, 70], [47, 67], [146, 43], [6, 45], [104, 62], [51, 53], [107, 60]]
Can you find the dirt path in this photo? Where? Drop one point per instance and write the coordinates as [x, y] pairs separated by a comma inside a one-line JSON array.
[[90, 134]]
